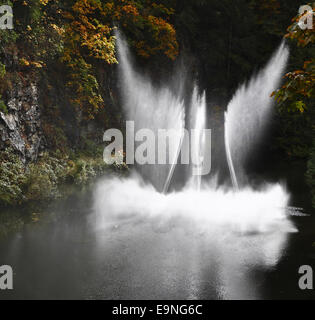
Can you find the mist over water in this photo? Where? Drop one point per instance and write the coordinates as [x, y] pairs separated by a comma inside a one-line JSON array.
[[194, 243], [245, 211]]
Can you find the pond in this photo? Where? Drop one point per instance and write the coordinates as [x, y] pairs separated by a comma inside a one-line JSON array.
[[65, 255]]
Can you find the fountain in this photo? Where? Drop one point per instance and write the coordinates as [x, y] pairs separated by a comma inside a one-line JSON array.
[[223, 216], [248, 113], [197, 126], [246, 118], [152, 108]]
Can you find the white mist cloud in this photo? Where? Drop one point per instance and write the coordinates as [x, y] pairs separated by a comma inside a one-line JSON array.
[[246, 210]]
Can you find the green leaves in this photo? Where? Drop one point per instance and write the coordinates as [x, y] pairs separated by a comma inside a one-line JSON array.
[[3, 107], [297, 94], [2, 70], [300, 105]]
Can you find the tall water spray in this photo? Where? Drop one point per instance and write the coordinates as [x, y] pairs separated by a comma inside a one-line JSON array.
[[197, 123], [248, 113], [159, 108], [151, 108]]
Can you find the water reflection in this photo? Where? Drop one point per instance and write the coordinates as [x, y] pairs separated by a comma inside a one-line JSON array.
[[164, 247], [188, 245]]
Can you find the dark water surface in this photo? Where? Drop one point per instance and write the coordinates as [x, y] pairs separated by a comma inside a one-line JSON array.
[[66, 257]]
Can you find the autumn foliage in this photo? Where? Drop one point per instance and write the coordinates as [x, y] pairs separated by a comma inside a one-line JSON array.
[[80, 34], [298, 91], [89, 36]]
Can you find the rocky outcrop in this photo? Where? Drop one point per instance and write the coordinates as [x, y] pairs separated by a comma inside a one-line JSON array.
[[20, 127]]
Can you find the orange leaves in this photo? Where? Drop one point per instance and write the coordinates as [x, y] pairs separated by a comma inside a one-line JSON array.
[[24, 62], [125, 12], [164, 34], [89, 34], [297, 94], [60, 31], [295, 32], [299, 88], [147, 25], [86, 7], [84, 30], [130, 9]]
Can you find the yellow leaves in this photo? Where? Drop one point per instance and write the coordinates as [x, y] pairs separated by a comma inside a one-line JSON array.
[[89, 33], [43, 2], [108, 8], [86, 7], [84, 85], [59, 30], [24, 62], [101, 47], [86, 31], [299, 105], [37, 64]]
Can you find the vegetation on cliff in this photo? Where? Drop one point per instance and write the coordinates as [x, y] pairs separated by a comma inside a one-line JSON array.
[[46, 179]]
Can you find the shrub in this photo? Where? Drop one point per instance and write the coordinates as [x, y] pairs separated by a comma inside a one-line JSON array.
[[12, 178], [3, 107], [43, 180], [44, 177]]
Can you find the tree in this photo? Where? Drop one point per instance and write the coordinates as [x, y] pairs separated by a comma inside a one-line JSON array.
[[297, 94], [89, 36]]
